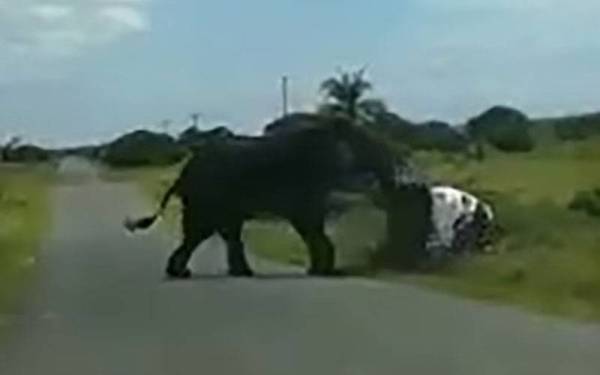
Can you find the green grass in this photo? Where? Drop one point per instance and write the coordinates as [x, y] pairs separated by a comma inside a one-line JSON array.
[[550, 260], [554, 174], [356, 233], [23, 218]]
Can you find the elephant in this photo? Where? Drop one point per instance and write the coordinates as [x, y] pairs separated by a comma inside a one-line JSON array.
[[288, 174]]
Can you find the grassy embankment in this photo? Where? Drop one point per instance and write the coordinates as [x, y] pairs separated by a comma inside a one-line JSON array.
[[24, 209], [549, 261]]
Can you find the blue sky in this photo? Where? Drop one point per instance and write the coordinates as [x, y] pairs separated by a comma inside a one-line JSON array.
[[75, 71]]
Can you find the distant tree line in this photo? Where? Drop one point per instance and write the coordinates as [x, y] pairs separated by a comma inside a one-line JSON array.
[[345, 94], [500, 127], [16, 152], [576, 128], [144, 147]]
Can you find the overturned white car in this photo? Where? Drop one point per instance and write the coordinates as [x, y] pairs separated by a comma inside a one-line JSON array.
[[433, 222], [460, 223]]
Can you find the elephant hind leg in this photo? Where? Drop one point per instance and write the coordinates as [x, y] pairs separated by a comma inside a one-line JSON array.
[[320, 247], [193, 235]]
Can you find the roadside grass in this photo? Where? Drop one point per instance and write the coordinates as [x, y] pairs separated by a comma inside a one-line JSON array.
[[548, 261], [355, 234], [24, 210]]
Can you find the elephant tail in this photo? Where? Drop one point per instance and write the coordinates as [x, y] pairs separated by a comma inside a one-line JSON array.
[[146, 222]]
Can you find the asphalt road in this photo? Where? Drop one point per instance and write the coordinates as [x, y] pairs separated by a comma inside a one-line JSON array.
[[100, 305]]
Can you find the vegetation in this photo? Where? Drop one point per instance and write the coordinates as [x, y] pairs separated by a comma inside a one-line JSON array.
[[28, 154], [437, 135], [16, 152], [345, 95], [505, 128], [23, 216], [587, 201], [576, 128], [548, 259], [143, 148], [193, 137]]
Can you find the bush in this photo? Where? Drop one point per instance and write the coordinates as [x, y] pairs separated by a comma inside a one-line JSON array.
[[194, 138], [143, 148], [432, 135], [577, 128], [436, 135], [567, 131], [26, 154], [511, 138], [504, 128], [587, 201]]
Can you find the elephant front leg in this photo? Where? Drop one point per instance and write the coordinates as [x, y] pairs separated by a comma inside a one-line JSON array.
[[236, 255]]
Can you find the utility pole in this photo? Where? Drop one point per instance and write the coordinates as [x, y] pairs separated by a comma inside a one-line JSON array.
[[195, 117], [284, 92], [165, 125]]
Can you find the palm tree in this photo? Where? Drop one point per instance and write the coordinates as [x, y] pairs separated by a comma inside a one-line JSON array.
[[12, 143], [344, 95]]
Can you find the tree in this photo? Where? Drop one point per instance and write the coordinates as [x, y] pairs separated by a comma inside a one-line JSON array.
[[345, 95], [9, 146], [143, 147], [477, 139], [505, 128], [192, 137], [437, 135]]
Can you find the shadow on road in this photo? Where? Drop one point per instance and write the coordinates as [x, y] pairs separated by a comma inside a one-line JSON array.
[[224, 276], [276, 276]]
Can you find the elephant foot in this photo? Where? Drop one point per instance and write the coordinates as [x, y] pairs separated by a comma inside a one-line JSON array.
[[179, 274], [244, 272]]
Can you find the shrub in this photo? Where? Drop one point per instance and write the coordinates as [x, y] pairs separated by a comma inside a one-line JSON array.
[[570, 131], [505, 128], [432, 135], [436, 135], [511, 138], [143, 148], [587, 201], [26, 154], [194, 138], [578, 127]]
